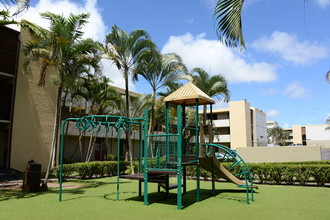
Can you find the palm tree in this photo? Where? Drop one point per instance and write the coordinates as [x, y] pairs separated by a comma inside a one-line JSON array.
[[159, 70], [278, 136], [328, 123], [5, 13], [136, 110], [100, 96], [125, 50], [214, 86], [62, 51]]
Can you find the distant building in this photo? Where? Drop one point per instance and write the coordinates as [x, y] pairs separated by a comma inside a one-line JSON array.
[[271, 124], [310, 135], [306, 135], [239, 125]]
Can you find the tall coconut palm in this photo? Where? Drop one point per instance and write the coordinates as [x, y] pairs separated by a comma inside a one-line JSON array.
[[125, 50], [61, 51], [215, 86], [159, 70]]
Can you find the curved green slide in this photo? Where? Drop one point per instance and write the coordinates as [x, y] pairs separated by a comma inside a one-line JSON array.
[[212, 164]]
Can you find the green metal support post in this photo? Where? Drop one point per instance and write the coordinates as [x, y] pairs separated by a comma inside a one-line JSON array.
[[179, 130], [197, 154], [118, 160], [140, 147], [212, 151], [146, 122], [167, 131]]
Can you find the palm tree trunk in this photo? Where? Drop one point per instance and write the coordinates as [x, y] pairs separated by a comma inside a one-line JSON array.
[[128, 136], [55, 135], [80, 145], [89, 147]]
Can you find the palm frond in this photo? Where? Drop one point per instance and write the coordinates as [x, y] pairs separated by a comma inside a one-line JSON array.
[[229, 25]]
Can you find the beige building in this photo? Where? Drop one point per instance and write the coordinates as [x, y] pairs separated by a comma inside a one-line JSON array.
[[239, 125], [310, 135]]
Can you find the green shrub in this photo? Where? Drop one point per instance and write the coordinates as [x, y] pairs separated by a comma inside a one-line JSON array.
[[129, 169], [67, 170], [276, 173], [110, 157]]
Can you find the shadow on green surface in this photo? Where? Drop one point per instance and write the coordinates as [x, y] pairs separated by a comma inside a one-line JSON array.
[[188, 198], [80, 189]]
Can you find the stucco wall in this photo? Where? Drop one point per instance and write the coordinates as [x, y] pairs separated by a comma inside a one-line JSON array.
[[280, 154], [240, 124], [33, 117]]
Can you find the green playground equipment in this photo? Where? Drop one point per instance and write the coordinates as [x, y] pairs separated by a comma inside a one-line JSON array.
[[167, 154]]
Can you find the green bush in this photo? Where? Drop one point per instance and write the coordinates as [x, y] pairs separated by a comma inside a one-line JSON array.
[[276, 173], [289, 172], [68, 170], [94, 169], [110, 157]]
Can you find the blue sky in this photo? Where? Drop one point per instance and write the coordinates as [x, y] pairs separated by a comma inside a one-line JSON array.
[[282, 71]]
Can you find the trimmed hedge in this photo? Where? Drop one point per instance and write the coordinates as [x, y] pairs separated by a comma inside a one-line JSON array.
[[274, 173], [94, 169], [277, 173], [291, 173]]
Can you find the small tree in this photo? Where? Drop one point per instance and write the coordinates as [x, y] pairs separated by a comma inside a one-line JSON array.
[[278, 136]]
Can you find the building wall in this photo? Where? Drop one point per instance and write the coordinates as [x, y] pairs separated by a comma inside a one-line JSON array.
[[8, 70], [280, 154], [297, 134], [33, 117], [240, 124], [259, 127], [317, 133]]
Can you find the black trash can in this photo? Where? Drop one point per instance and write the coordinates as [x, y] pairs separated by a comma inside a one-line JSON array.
[[32, 177]]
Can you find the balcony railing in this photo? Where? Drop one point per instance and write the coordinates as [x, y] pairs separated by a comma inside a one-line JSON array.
[[221, 123]]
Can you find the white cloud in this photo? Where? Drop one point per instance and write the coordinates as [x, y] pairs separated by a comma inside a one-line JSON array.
[[214, 57], [95, 28], [111, 71], [288, 47], [269, 92], [322, 3], [272, 113], [295, 90]]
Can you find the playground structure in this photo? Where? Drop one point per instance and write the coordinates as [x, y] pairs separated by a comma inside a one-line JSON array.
[[166, 154]]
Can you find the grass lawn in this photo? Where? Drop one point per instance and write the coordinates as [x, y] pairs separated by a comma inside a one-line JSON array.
[[98, 201]]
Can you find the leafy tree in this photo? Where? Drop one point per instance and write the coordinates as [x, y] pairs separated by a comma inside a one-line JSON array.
[[278, 136], [100, 96], [158, 70], [215, 86], [125, 50], [61, 51], [170, 87], [136, 110]]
